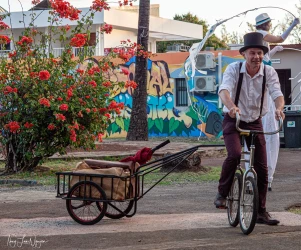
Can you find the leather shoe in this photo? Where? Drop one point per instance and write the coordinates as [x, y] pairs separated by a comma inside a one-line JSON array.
[[220, 201], [265, 218]]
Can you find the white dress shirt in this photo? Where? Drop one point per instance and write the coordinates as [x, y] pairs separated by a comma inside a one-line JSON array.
[[250, 95], [267, 56]]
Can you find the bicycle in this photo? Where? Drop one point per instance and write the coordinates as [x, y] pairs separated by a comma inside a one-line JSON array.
[[243, 198]]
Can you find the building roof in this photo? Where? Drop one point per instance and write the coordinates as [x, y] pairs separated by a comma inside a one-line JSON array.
[[180, 57], [43, 5], [2, 10], [288, 46], [161, 29]]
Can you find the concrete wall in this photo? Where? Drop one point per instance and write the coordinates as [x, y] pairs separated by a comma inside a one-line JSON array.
[[290, 59]]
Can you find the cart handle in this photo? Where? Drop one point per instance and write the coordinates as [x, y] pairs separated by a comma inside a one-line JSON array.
[[160, 145]]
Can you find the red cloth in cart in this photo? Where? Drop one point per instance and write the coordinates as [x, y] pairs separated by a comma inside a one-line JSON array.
[[142, 156]]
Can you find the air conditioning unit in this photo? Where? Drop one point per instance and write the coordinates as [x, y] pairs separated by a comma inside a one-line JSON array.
[[205, 61], [204, 84]]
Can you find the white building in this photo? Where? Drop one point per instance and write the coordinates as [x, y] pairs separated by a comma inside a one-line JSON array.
[[123, 20]]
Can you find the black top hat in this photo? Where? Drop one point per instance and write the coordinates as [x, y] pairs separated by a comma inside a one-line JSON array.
[[253, 40]]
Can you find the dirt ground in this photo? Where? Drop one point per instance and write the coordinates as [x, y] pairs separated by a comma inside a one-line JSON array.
[[168, 217]]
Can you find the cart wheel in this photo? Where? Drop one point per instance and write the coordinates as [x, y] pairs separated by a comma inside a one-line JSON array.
[[81, 207], [124, 206], [233, 200], [248, 206]]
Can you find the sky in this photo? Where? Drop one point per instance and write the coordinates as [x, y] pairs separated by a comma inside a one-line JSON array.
[[211, 11]]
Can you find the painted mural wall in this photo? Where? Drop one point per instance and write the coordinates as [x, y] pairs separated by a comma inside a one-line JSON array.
[[202, 117]]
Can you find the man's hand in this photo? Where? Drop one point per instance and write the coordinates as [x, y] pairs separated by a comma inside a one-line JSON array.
[[279, 113], [232, 112]]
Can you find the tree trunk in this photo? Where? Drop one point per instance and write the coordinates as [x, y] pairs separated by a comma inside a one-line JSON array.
[[138, 128], [15, 162]]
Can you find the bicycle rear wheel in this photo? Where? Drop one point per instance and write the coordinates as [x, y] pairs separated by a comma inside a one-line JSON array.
[[248, 206], [233, 200]]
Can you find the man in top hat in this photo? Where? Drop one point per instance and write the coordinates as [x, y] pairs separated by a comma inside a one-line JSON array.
[[251, 104]]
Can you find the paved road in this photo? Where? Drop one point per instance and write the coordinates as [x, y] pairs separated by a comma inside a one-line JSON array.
[[168, 217]]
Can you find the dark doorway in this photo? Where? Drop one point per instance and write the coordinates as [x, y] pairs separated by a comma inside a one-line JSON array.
[[286, 88]]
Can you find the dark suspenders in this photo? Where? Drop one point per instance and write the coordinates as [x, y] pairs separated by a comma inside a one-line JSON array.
[[241, 75]]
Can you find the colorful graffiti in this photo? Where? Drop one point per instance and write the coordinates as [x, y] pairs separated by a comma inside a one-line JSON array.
[[201, 118]]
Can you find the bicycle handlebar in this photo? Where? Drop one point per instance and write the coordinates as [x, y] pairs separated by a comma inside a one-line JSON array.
[[256, 131]]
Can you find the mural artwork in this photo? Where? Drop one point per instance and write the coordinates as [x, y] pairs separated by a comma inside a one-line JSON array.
[[200, 118]]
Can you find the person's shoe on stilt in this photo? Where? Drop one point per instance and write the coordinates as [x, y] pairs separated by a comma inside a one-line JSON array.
[[269, 186], [220, 201], [265, 218]]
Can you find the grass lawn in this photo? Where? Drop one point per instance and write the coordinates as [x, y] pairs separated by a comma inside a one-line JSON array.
[[296, 209], [45, 175]]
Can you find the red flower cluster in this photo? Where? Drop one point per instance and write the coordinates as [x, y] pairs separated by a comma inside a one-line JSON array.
[[93, 70], [125, 2], [51, 126], [13, 127], [3, 26], [80, 71], [100, 5], [28, 125], [105, 67], [131, 84], [116, 106], [102, 110], [99, 137], [125, 71], [107, 28], [145, 54], [60, 117], [92, 83], [107, 84], [73, 135], [25, 41], [34, 32], [9, 89], [123, 54], [64, 107], [69, 93], [66, 27], [65, 9], [78, 40], [12, 54], [4, 39], [44, 75], [34, 2], [44, 101]]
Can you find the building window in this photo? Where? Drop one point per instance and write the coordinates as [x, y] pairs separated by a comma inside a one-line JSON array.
[[181, 92]]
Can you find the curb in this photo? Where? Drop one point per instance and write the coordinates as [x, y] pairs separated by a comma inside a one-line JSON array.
[[19, 182]]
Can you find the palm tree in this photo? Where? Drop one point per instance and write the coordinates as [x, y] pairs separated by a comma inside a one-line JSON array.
[[138, 128]]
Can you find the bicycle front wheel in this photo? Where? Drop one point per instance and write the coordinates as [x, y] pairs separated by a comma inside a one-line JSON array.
[[248, 207], [233, 200]]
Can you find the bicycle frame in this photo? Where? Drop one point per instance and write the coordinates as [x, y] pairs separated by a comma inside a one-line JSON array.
[[252, 133]]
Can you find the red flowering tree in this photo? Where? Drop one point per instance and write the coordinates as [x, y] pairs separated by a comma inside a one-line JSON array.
[[48, 103]]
